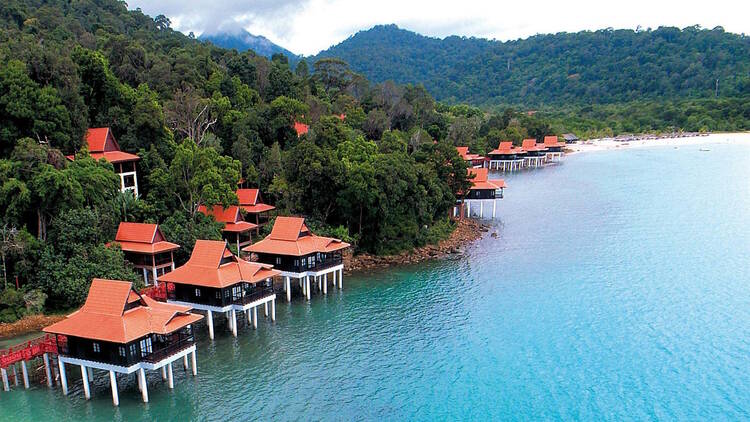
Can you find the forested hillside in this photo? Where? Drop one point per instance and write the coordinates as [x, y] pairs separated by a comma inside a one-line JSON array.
[[242, 40], [201, 118], [606, 66]]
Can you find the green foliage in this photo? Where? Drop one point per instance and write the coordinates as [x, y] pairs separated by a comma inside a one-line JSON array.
[[183, 229], [12, 305], [605, 66]]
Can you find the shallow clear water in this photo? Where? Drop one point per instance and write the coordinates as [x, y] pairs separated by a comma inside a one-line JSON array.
[[618, 288]]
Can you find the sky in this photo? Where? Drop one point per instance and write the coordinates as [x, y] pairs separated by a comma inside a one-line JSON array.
[[309, 26]]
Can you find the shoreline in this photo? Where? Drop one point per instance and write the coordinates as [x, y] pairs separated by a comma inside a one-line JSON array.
[[466, 232], [730, 138], [27, 324]]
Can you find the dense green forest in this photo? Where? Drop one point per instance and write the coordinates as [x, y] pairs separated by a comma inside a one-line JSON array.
[[202, 117], [606, 66]]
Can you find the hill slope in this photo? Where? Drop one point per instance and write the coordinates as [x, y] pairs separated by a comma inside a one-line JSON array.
[[605, 66], [242, 40]]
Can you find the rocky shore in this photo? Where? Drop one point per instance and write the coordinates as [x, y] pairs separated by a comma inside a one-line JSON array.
[[466, 232], [28, 324]]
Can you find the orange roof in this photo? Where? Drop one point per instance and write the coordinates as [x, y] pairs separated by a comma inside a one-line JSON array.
[[551, 141], [249, 201], [481, 180], [290, 236], [104, 316], [212, 264], [301, 128], [102, 144], [506, 147], [230, 216], [142, 238], [531, 145], [464, 153]]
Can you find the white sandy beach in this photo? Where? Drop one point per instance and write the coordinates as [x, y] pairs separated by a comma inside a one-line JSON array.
[[610, 144]]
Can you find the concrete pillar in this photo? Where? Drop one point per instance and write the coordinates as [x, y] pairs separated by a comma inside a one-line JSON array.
[[15, 375], [164, 373], [144, 384], [273, 310], [468, 209], [481, 209], [234, 323], [210, 320], [63, 377], [113, 386], [85, 378], [341, 278], [195, 363], [4, 373], [325, 283], [319, 279], [494, 206], [305, 281], [265, 309], [145, 275], [255, 317], [25, 374], [170, 376], [155, 281], [185, 362], [307, 287], [288, 289], [90, 372], [47, 371]]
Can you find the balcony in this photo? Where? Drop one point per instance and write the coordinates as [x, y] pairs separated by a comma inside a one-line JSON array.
[[318, 266], [253, 295], [170, 349]]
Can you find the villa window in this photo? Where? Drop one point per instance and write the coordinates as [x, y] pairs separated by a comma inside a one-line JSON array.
[[133, 349], [278, 260], [121, 351], [128, 181], [197, 292], [146, 348], [97, 348]]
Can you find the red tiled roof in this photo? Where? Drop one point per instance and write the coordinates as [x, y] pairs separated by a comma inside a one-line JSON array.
[[230, 216], [531, 145], [551, 141], [205, 267], [115, 156], [481, 180], [301, 128], [464, 153], [102, 144], [248, 199], [96, 138], [103, 317], [142, 238], [506, 147], [290, 236]]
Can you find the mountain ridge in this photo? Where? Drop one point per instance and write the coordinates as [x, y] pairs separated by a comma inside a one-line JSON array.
[[604, 66], [242, 40]]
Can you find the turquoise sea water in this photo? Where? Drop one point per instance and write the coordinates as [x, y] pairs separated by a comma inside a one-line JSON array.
[[618, 288]]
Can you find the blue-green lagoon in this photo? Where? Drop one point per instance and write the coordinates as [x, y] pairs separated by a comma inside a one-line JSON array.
[[618, 287]]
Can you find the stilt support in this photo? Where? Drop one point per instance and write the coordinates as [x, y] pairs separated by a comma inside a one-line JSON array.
[[170, 376], [113, 386], [4, 373], [195, 363], [288, 289], [63, 377], [86, 387], [255, 317], [233, 323], [210, 320], [47, 371], [25, 373], [144, 384], [273, 310]]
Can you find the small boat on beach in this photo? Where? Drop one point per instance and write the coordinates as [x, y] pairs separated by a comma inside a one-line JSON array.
[[704, 149]]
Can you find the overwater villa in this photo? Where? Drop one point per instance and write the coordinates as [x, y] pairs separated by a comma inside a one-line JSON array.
[[298, 253], [536, 154], [483, 191], [119, 331], [146, 248], [472, 160], [554, 148], [216, 280], [236, 231], [506, 157], [102, 144], [252, 205]]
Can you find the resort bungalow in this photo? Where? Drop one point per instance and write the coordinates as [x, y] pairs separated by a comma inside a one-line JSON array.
[[216, 280], [536, 154], [472, 160], [506, 157], [554, 148], [102, 144], [570, 138], [146, 248], [236, 230], [483, 189], [298, 253], [252, 205], [120, 331]]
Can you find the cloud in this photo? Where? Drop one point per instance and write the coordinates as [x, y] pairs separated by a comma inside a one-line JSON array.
[[308, 26]]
